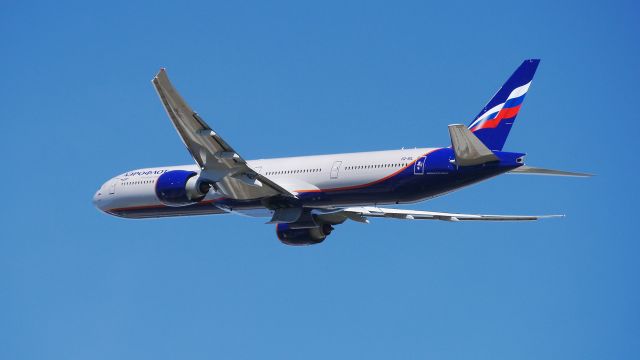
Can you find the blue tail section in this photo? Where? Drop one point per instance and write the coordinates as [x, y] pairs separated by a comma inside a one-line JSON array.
[[494, 122]]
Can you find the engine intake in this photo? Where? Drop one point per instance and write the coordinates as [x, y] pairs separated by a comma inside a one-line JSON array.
[[181, 188], [305, 236]]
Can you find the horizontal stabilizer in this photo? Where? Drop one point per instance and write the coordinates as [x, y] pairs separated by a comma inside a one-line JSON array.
[[468, 148], [528, 170]]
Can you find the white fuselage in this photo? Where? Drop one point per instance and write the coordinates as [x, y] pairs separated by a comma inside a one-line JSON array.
[[303, 174]]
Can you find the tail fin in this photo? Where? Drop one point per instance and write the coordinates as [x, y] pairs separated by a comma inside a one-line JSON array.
[[494, 122]]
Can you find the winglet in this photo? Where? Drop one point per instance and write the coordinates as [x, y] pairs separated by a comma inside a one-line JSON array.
[[468, 148]]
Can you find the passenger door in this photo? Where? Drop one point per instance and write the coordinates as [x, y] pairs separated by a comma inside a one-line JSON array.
[[335, 169], [112, 187]]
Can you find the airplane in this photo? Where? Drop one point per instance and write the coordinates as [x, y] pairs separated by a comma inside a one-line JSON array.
[[306, 196]]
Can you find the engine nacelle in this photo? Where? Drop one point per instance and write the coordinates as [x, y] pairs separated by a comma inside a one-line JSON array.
[[305, 236], [181, 188]]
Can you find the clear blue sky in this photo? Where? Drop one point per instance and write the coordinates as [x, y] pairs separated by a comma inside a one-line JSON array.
[[292, 78]]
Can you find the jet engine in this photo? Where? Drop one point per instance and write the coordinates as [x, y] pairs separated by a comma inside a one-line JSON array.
[[289, 235], [181, 188]]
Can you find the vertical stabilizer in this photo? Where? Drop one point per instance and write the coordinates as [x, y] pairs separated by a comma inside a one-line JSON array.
[[493, 123]]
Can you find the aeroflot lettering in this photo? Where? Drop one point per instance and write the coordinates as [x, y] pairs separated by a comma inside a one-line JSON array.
[[146, 173]]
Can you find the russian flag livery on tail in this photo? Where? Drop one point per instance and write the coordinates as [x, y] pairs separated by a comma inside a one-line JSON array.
[[493, 123], [306, 196]]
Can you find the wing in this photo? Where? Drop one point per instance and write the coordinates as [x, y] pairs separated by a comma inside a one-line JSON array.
[[219, 162], [362, 214]]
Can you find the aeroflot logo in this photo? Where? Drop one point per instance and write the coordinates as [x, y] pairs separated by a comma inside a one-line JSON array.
[[145, 173]]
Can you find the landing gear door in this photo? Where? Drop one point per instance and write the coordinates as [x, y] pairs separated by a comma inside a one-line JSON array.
[[335, 168], [418, 167]]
